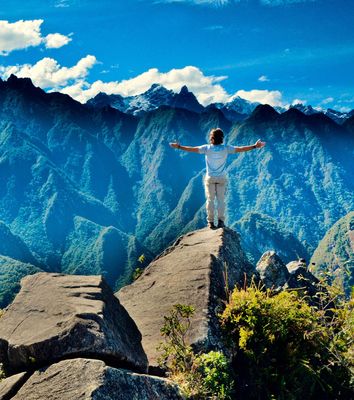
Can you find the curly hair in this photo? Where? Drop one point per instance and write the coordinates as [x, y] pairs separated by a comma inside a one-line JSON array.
[[216, 136]]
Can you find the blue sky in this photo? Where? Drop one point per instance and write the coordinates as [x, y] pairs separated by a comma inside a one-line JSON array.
[[270, 51]]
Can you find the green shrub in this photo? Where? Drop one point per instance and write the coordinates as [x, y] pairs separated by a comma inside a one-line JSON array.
[[136, 273], [212, 375], [200, 376], [176, 354], [284, 349], [139, 270]]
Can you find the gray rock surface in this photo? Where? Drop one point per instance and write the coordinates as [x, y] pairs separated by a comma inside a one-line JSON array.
[[58, 316], [272, 271], [191, 272], [292, 266], [9, 386], [302, 278], [277, 276], [84, 379]]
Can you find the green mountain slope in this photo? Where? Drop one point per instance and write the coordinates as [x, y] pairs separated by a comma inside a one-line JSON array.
[[335, 253], [260, 233]]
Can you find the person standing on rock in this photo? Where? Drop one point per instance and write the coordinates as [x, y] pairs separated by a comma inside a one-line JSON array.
[[216, 153]]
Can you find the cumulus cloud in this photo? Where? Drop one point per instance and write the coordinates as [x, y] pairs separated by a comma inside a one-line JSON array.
[[56, 40], [206, 88], [23, 34], [263, 78], [271, 97], [48, 73]]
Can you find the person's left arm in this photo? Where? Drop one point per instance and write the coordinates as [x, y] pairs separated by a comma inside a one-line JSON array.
[[190, 149], [258, 145]]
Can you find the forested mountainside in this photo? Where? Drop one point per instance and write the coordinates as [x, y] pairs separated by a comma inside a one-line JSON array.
[[335, 253], [87, 189]]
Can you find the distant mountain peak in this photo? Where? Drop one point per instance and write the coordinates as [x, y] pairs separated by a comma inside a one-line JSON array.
[[308, 110], [13, 79], [155, 86], [102, 95], [24, 84], [157, 90], [292, 113], [186, 99], [184, 90], [263, 112]]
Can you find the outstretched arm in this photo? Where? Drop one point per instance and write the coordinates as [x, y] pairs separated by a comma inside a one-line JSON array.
[[257, 145], [184, 148]]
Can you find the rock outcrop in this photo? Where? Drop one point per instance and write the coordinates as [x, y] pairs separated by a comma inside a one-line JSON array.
[[57, 316], [192, 271], [277, 276], [10, 386], [91, 379], [72, 339], [272, 271]]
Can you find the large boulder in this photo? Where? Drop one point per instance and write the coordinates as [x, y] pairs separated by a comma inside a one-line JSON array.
[[275, 275], [86, 379], [58, 316], [272, 271], [192, 271]]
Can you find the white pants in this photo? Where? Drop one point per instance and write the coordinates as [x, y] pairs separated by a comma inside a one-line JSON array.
[[215, 188]]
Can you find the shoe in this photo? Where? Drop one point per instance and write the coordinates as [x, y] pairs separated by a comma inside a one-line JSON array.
[[221, 224], [211, 225]]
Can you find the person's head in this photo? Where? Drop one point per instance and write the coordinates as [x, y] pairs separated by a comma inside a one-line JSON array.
[[216, 136]]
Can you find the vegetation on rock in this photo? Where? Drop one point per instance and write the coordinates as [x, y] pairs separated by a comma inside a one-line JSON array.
[[201, 376], [278, 346], [283, 348], [139, 270]]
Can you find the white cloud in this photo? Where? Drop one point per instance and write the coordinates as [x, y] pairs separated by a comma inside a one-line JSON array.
[[271, 97], [214, 28], [206, 88], [56, 40], [274, 3], [343, 109], [22, 34], [263, 78], [61, 4], [214, 3], [327, 100], [47, 72], [298, 101], [221, 3]]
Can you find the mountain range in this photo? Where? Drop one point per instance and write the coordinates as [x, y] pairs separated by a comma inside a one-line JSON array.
[[88, 188], [237, 109]]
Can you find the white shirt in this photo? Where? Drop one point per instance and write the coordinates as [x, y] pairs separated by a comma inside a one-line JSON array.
[[215, 158]]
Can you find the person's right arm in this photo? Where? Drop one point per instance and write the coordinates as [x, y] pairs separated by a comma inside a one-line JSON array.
[[184, 148]]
